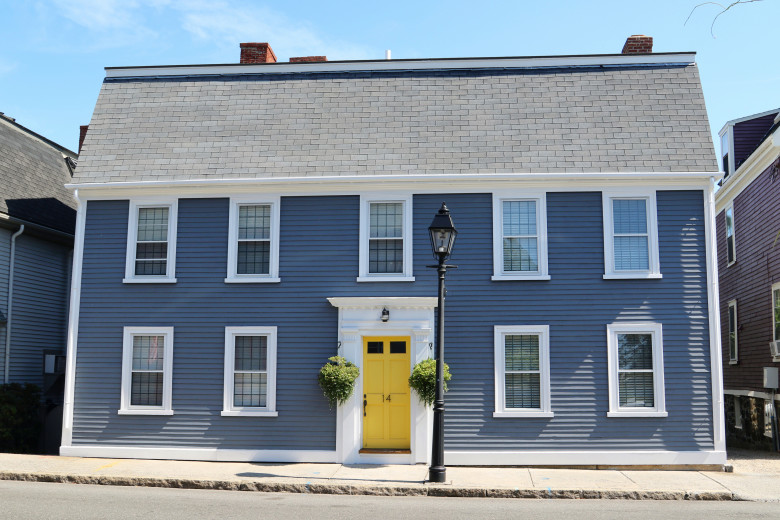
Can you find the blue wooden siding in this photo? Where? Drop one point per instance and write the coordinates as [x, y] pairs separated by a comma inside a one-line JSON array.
[[319, 259]]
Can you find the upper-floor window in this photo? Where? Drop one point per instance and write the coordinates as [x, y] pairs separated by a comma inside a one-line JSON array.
[[151, 242], [522, 371], [732, 331], [630, 236], [147, 364], [731, 252], [636, 370], [250, 371], [520, 237], [253, 240], [724, 152], [385, 240]]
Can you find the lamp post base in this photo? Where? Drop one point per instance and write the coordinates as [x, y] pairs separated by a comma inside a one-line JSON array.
[[437, 474]]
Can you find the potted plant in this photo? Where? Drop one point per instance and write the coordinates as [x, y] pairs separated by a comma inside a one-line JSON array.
[[337, 380], [423, 380]]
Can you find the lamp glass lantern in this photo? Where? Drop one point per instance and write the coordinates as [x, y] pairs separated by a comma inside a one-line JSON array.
[[442, 232]]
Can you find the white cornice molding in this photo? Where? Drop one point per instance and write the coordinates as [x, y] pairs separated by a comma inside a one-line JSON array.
[[422, 183], [533, 62], [748, 171], [392, 302]]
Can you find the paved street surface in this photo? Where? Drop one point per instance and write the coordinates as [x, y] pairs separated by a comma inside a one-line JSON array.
[[41, 500]]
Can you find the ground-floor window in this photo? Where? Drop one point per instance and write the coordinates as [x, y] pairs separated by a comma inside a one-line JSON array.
[[147, 361], [250, 371]]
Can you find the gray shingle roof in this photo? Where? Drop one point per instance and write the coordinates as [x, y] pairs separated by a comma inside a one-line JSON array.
[[621, 119], [33, 174]]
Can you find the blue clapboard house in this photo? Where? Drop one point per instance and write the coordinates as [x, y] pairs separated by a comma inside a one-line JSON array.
[[241, 223]]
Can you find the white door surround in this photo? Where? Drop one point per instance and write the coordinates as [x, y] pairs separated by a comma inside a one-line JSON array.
[[359, 317]]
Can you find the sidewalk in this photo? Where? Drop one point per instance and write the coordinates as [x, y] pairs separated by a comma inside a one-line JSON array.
[[756, 477]]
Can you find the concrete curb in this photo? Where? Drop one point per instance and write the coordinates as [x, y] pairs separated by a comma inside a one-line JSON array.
[[351, 489]]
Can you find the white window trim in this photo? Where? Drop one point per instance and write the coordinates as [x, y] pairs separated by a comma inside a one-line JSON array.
[[228, 410], [654, 271], [127, 369], [408, 238], [735, 359], [500, 332], [728, 208], [132, 236], [498, 235], [273, 268], [655, 329]]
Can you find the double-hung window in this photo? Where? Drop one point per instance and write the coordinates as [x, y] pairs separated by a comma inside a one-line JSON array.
[[522, 371], [385, 239], [253, 241], [732, 331], [250, 372], [151, 243], [636, 370], [147, 363], [520, 237], [630, 236], [731, 251]]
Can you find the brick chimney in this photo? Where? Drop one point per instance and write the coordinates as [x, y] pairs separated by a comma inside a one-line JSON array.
[[308, 59], [638, 44], [257, 53], [82, 134]]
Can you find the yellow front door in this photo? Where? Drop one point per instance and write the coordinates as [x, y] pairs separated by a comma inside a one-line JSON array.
[[386, 393]]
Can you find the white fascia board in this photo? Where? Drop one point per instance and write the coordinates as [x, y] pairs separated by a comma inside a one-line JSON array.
[[614, 60], [748, 171], [356, 184]]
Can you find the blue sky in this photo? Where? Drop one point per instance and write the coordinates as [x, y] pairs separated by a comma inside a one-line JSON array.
[[52, 52]]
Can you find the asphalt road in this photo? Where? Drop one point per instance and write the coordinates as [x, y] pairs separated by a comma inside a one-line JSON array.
[[38, 500]]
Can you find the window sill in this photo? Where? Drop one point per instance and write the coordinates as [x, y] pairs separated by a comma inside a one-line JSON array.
[[733, 361], [237, 413], [729, 264], [254, 279], [524, 415], [144, 412], [633, 276], [518, 277], [637, 414], [385, 278], [149, 280]]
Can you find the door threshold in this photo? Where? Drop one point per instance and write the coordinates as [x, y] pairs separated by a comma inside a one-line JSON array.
[[385, 451]]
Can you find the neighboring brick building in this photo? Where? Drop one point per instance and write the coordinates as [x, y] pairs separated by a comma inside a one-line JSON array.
[[748, 221]]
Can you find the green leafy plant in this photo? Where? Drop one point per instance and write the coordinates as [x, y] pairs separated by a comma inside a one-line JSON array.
[[423, 380], [337, 380], [20, 424]]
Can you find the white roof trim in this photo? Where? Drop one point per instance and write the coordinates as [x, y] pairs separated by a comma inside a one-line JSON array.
[[386, 65], [748, 118], [409, 178]]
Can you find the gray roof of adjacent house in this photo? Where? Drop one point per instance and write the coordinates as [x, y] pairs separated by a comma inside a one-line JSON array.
[[496, 115], [33, 174]]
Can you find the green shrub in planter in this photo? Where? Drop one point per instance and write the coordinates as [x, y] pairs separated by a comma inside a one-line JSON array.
[[423, 380], [337, 380]]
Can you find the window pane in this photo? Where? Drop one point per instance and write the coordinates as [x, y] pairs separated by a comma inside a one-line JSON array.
[[522, 352], [729, 223], [777, 313], [152, 224], [146, 389], [630, 216], [386, 256], [636, 389], [148, 352], [152, 268], [386, 220], [635, 351], [521, 254], [519, 217], [730, 248], [523, 391], [398, 347], [250, 390], [732, 332], [375, 347], [251, 352], [254, 222], [151, 251], [631, 254], [254, 258]]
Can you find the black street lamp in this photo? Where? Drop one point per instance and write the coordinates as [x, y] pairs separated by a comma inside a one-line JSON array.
[[443, 235]]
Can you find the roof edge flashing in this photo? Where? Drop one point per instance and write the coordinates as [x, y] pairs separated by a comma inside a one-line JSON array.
[[531, 62]]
